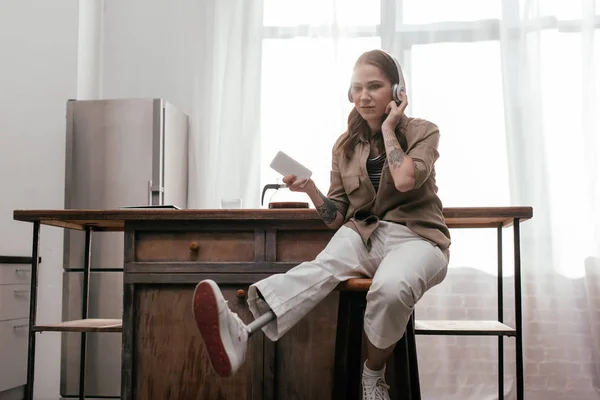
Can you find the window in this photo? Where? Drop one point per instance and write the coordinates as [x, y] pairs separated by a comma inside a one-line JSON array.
[[304, 101], [568, 89], [465, 100], [289, 13], [432, 11], [452, 59], [309, 48], [306, 70]]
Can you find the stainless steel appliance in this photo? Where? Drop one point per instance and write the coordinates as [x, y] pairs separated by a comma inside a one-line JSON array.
[[120, 152]]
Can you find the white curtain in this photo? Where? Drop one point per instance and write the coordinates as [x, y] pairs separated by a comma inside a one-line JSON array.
[[225, 116], [514, 87]]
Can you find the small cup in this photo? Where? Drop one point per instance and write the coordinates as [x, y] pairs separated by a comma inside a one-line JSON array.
[[233, 203]]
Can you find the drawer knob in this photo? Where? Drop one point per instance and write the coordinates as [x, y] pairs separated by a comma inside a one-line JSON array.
[[194, 246], [241, 293]]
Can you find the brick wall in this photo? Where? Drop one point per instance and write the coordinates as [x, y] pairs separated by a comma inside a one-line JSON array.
[[561, 320]]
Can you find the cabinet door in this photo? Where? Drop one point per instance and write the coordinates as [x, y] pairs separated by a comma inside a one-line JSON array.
[[13, 353], [301, 364], [170, 360], [302, 361]]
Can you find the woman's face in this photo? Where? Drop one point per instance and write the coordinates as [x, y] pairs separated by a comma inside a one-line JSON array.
[[371, 91]]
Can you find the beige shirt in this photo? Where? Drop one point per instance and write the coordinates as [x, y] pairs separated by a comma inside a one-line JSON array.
[[420, 209]]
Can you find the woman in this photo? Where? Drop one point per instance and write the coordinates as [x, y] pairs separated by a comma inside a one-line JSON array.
[[383, 202]]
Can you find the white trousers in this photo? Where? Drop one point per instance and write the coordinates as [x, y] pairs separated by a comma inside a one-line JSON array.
[[403, 267]]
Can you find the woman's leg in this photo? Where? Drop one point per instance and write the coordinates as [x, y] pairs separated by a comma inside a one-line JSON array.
[[293, 294], [287, 298], [377, 357], [410, 267]]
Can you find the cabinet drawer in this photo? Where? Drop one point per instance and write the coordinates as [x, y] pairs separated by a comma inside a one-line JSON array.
[[14, 301], [298, 246], [13, 353], [233, 246], [12, 274]]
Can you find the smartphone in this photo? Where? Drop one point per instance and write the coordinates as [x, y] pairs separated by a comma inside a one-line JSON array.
[[286, 165]]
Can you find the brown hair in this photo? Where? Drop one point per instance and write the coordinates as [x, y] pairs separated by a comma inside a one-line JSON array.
[[357, 126]]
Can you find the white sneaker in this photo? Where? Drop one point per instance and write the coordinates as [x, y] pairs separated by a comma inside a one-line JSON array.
[[225, 335], [375, 388]]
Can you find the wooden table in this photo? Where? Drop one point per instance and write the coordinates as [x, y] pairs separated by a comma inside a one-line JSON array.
[[168, 251]]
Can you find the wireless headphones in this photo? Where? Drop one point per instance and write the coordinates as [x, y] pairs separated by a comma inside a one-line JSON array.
[[397, 88]]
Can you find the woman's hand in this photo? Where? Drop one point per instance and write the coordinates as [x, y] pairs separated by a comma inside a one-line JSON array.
[[394, 113], [303, 185], [324, 206]]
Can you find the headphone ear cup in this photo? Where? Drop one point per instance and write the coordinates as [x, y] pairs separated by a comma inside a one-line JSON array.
[[396, 92], [398, 87]]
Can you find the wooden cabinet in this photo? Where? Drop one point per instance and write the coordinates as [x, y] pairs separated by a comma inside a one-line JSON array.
[[169, 350], [171, 362], [302, 360], [163, 265]]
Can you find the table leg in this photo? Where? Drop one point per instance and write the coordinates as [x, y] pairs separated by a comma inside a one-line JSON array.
[[127, 347], [500, 317], [518, 315], [85, 308], [32, 310]]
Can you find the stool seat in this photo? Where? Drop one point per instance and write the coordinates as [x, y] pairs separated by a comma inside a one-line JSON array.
[[355, 285], [348, 345]]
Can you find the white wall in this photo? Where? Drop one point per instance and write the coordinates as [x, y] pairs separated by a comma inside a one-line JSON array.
[[151, 57], [191, 53], [38, 73], [167, 54]]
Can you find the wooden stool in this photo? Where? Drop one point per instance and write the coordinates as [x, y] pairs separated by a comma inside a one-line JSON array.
[[348, 345]]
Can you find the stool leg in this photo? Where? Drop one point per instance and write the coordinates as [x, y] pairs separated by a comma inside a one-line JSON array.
[[340, 365], [402, 369], [413, 362], [406, 363], [348, 346], [357, 313]]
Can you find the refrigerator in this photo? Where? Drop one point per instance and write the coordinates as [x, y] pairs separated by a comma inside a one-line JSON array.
[[119, 153]]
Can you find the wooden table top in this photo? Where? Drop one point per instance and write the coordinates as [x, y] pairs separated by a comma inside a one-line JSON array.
[[114, 220]]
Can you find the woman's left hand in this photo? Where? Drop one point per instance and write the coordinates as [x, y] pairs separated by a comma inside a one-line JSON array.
[[395, 112]]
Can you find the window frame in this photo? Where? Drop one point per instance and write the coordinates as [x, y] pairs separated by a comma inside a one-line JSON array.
[[400, 40]]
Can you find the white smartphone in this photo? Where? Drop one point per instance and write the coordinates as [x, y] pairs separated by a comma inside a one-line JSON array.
[[286, 165]]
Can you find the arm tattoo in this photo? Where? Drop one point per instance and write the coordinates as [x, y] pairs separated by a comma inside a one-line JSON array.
[[391, 142], [395, 154], [396, 158], [328, 211]]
